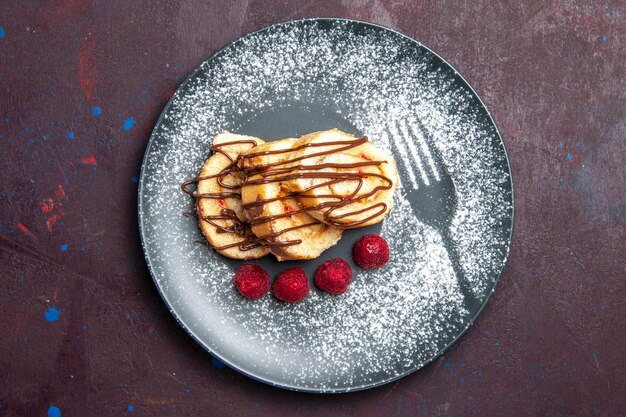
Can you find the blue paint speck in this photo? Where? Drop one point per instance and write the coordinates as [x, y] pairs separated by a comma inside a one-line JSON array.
[[64, 247], [131, 408], [84, 327], [446, 365], [6, 120], [257, 405], [70, 135], [2, 32], [54, 411], [128, 123], [96, 111], [53, 314], [570, 156], [217, 363], [609, 14], [135, 180], [605, 38]]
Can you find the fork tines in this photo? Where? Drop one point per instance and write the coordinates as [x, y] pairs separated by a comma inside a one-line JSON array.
[[409, 139]]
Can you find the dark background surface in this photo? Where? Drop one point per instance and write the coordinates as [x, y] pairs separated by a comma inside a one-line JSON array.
[[83, 331]]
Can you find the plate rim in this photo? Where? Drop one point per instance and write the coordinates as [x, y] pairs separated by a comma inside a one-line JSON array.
[[293, 387]]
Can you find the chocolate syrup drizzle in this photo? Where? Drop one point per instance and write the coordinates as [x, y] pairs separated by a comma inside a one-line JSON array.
[[279, 172]]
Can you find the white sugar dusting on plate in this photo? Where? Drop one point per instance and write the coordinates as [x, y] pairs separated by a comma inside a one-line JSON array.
[[392, 320]]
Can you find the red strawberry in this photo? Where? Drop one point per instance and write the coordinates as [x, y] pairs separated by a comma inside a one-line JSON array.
[[371, 251], [291, 285], [334, 276], [252, 281]]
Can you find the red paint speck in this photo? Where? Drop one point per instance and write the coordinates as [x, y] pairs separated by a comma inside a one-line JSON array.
[[26, 231], [53, 219], [47, 206], [56, 294], [89, 160], [53, 207], [220, 201], [87, 72], [365, 157]]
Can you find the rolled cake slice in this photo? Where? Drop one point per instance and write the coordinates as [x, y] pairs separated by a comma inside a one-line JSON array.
[[274, 213], [218, 202], [346, 181]]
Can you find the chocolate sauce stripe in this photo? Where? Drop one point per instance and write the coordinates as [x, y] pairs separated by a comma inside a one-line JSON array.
[[347, 176], [335, 165], [348, 145], [185, 185], [269, 173], [223, 172], [299, 194], [287, 197], [263, 240], [218, 195], [265, 219]]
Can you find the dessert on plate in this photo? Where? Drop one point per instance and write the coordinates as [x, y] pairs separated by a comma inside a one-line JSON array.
[[291, 197]]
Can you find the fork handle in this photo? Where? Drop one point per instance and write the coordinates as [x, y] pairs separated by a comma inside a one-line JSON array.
[[472, 303]]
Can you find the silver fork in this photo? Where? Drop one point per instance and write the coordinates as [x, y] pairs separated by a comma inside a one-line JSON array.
[[430, 191]]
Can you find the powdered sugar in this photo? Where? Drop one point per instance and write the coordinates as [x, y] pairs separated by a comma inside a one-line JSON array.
[[392, 319]]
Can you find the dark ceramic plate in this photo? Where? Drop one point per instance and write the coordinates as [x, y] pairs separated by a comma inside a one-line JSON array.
[[449, 231]]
